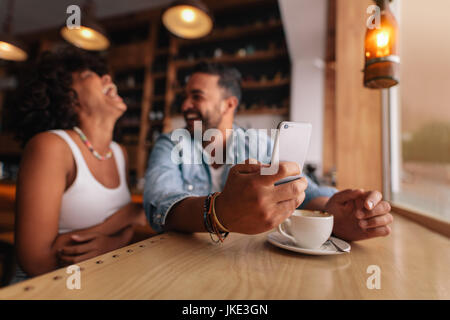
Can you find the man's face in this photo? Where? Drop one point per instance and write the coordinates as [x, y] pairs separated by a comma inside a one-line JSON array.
[[97, 94], [203, 101]]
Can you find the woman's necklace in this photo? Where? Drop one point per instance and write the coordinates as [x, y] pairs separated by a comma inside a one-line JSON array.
[[89, 145]]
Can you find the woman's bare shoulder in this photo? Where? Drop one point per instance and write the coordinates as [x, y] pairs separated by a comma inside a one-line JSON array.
[[47, 145]]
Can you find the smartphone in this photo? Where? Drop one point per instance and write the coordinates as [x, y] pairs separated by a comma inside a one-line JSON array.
[[291, 144]]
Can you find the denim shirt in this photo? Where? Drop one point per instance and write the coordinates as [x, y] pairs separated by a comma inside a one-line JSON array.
[[167, 182]]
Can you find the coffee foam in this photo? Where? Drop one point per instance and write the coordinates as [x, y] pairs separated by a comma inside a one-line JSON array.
[[310, 213]]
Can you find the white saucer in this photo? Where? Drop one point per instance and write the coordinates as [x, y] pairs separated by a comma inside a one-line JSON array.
[[327, 248]]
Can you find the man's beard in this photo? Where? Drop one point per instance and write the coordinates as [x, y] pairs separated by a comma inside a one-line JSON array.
[[209, 120]]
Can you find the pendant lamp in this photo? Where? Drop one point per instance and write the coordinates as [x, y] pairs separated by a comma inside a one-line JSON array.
[[90, 35], [188, 19], [10, 47]]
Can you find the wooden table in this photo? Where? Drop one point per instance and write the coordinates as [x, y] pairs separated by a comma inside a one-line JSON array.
[[414, 264]]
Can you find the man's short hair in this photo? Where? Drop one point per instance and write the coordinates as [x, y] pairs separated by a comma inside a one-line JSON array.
[[229, 77]]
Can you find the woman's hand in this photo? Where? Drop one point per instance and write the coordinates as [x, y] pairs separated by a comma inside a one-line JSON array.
[[88, 245], [115, 232]]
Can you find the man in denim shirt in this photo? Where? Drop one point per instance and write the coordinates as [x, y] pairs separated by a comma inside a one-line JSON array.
[[176, 189]]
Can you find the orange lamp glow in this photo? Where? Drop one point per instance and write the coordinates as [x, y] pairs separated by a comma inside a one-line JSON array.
[[11, 51], [188, 19], [381, 51], [90, 35], [10, 47], [86, 38]]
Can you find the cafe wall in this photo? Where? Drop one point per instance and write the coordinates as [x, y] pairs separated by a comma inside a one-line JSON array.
[[305, 24], [150, 68], [357, 110]]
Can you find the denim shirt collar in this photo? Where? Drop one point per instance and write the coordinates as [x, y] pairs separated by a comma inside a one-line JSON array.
[[206, 158]]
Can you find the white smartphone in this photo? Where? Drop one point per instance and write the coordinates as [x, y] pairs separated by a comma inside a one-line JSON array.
[[291, 144]]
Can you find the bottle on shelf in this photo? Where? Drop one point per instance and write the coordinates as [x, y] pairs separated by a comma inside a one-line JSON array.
[[218, 53], [131, 82], [250, 49]]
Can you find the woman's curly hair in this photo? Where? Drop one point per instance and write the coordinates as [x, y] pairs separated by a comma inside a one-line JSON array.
[[45, 99]]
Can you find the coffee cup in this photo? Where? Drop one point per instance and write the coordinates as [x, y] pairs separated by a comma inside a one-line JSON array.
[[307, 229]]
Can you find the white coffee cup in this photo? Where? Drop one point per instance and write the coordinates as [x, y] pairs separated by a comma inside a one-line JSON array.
[[307, 229]]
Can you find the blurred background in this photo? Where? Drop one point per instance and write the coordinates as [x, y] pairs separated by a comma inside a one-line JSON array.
[[301, 60]]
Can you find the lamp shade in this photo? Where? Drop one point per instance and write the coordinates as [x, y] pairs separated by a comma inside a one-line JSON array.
[[381, 51], [189, 19], [11, 49], [89, 36]]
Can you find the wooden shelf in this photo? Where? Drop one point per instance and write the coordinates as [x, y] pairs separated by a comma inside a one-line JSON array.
[[9, 146], [159, 75], [129, 124], [256, 111], [235, 32], [129, 56], [156, 122], [265, 84], [251, 85], [159, 98], [266, 110], [129, 89], [258, 55], [133, 106], [161, 51]]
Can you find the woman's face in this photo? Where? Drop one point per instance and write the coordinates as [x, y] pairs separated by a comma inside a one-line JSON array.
[[97, 95]]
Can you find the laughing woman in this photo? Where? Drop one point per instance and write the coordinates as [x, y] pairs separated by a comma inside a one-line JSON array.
[[73, 202]]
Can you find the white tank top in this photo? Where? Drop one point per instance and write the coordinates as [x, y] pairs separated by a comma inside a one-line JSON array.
[[87, 202]]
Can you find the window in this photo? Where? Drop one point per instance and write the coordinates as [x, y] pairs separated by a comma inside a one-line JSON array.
[[420, 135]]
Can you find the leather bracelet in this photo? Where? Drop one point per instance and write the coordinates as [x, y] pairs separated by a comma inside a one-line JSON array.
[[215, 216], [206, 206], [221, 235], [210, 221]]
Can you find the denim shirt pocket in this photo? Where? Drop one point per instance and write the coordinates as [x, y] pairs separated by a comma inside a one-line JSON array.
[[195, 179]]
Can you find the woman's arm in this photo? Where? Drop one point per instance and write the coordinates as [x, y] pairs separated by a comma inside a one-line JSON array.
[[89, 245], [131, 214], [46, 164], [115, 232]]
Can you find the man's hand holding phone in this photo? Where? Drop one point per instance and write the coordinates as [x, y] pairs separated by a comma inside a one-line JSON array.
[[251, 203]]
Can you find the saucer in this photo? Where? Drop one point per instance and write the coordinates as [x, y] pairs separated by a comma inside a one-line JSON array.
[[326, 249]]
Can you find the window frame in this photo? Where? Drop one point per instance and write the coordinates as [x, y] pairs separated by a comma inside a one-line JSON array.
[[392, 158]]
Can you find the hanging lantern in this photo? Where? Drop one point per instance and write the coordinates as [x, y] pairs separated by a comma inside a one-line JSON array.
[[381, 51], [10, 47], [188, 19], [90, 35]]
